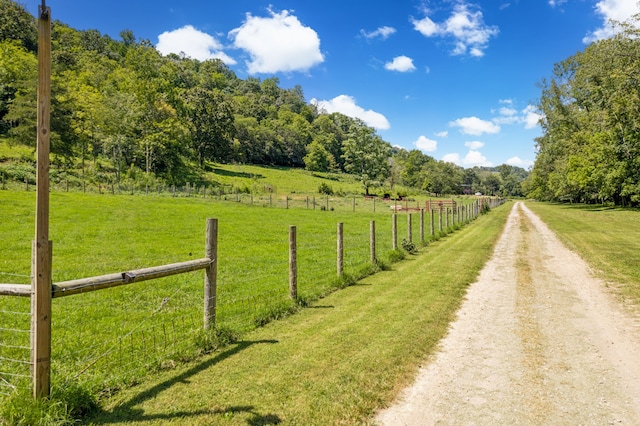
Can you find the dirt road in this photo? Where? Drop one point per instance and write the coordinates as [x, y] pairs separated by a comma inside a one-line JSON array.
[[539, 341]]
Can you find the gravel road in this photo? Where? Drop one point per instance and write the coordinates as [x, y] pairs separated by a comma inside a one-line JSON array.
[[538, 341]]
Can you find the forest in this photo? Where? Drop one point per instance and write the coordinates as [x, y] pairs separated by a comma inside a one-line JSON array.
[[590, 148], [120, 110]]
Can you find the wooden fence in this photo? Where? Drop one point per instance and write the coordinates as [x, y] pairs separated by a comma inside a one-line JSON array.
[[40, 374]]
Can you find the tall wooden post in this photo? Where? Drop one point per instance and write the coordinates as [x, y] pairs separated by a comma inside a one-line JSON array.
[[41, 260], [211, 274], [422, 226], [409, 228], [293, 264], [340, 249]]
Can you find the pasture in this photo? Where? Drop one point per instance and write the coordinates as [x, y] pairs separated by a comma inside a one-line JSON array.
[[108, 338]]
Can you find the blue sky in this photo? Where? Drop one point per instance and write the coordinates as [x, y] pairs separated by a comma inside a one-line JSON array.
[[455, 79]]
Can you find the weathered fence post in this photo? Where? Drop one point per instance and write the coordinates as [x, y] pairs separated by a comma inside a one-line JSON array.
[[440, 220], [409, 228], [372, 242], [340, 248], [41, 283], [211, 274], [432, 223], [422, 226], [394, 231], [354, 203], [293, 264]]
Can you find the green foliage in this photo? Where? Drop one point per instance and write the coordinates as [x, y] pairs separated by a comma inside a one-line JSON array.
[[20, 172], [590, 147], [325, 188], [409, 246], [218, 337], [366, 155], [69, 402]]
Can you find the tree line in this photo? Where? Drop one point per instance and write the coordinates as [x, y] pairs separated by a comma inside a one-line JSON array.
[[119, 109], [590, 147]]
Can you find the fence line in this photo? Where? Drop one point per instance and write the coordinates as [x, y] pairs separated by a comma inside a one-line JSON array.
[[161, 332]]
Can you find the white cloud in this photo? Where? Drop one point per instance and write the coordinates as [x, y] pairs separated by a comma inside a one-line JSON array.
[[474, 145], [465, 25], [452, 158], [347, 105], [475, 158], [400, 64], [617, 10], [554, 3], [425, 144], [509, 115], [531, 117], [516, 161], [279, 43], [193, 43], [382, 32], [475, 126], [442, 134]]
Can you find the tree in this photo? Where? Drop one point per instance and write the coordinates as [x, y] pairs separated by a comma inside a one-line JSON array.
[[18, 24], [442, 178], [366, 155], [318, 159], [211, 120]]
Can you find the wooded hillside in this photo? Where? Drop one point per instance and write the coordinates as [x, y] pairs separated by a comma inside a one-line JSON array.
[[122, 110]]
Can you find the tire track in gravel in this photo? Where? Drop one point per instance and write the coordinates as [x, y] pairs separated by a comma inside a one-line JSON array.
[[538, 341]]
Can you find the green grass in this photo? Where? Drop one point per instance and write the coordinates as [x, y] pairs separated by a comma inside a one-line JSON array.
[[335, 363], [607, 238], [113, 336]]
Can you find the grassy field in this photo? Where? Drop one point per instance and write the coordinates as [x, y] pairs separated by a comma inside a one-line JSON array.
[[336, 362], [110, 338], [607, 238]]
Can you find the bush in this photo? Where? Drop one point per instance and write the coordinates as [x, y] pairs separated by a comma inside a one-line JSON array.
[[409, 247], [325, 189]]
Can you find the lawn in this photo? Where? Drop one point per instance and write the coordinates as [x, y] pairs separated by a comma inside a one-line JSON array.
[[607, 238]]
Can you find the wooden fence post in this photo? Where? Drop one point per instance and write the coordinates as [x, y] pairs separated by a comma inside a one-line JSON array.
[[432, 224], [293, 264], [41, 283], [372, 242], [340, 248], [394, 231], [422, 226], [440, 220], [409, 227], [211, 274]]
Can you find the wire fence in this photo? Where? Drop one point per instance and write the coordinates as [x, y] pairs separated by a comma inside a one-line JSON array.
[[267, 196], [15, 338], [113, 337]]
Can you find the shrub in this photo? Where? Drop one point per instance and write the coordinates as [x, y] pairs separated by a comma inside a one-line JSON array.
[[325, 189]]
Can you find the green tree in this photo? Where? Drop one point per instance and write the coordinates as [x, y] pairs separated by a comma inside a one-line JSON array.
[[211, 120], [18, 24], [318, 159], [366, 155]]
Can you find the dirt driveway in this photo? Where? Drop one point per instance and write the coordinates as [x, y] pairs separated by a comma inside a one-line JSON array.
[[538, 341]]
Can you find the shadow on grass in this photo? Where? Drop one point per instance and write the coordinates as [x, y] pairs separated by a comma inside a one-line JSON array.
[[128, 412], [229, 173], [594, 207]]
